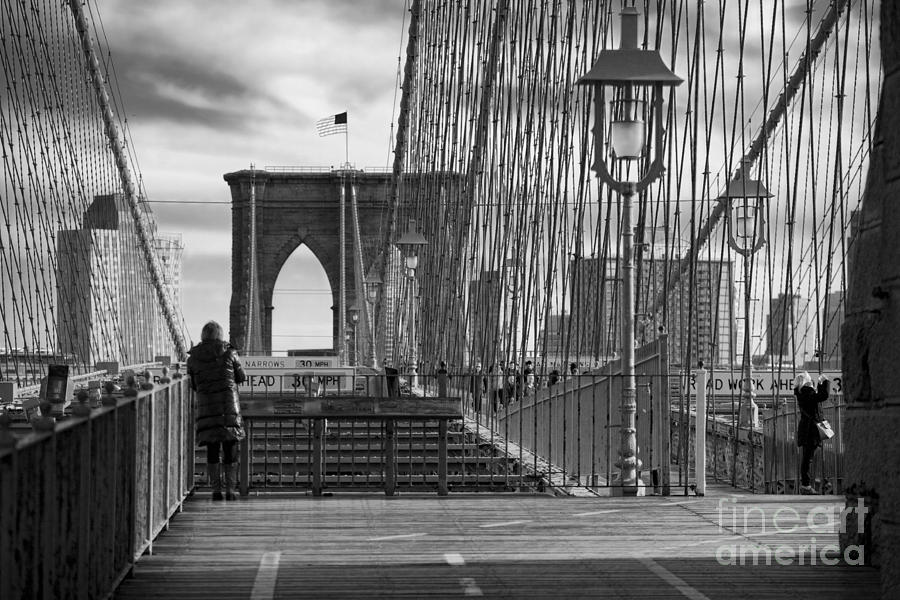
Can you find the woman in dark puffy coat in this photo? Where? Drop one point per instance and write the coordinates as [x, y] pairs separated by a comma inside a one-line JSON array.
[[809, 401], [215, 371]]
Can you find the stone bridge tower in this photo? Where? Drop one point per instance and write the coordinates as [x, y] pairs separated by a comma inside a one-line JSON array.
[[870, 338], [294, 208], [299, 206]]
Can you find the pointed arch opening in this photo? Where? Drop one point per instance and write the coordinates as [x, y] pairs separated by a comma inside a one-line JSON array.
[[301, 301]]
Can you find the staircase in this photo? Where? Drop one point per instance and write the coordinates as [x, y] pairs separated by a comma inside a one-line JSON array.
[[282, 451]]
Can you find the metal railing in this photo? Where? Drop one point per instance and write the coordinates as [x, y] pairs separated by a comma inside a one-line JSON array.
[[565, 433], [782, 456], [84, 498], [764, 458], [315, 431]]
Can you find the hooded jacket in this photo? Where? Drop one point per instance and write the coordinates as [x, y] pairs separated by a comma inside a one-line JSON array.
[[215, 372], [809, 401]]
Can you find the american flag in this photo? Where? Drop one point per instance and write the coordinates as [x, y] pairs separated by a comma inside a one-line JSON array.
[[332, 125]]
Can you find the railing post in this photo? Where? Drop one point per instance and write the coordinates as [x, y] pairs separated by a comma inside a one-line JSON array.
[[442, 457], [700, 433], [318, 448], [151, 456], [83, 510], [169, 439], [390, 468], [246, 452]]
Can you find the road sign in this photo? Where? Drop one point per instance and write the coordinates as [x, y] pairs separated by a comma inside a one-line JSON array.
[[764, 383]]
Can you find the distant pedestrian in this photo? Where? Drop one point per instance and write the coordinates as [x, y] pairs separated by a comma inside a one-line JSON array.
[[478, 386], [528, 373], [215, 371], [495, 386], [512, 382], [553, 378], [443, 380], [809, 400]]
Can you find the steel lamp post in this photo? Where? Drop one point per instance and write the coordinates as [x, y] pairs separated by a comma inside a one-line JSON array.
[[746, 235], [633, 78], [409, 244], [354, 322], [373, 287]]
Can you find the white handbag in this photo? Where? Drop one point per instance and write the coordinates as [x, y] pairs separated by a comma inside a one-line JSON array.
[[825, 430]]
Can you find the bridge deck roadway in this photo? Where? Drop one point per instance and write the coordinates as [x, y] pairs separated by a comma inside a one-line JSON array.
[[501, 546]]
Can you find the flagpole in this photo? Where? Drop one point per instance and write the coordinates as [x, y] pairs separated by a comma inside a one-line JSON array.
[[347, 144]]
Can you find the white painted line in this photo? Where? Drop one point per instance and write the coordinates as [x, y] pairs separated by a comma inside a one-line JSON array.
[[683, 502], [396, 537], [470, 588], [503, 524], [597, 512], [674, 580], [718, 540], [454, 559], [266, 576]]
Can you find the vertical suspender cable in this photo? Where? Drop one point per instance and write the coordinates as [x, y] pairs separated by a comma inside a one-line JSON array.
[[342, 240], [775, 116], [251, 289]]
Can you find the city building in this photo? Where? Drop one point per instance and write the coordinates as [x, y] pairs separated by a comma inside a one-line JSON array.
[[788, 338], [698, 315], [488, 297], [107, 309]]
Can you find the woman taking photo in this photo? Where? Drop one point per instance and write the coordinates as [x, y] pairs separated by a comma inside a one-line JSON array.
[[809, 400]]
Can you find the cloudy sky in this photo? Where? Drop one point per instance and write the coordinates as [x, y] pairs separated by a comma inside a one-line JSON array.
[[211, 87]]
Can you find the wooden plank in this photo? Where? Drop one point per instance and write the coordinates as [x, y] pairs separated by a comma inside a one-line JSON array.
[[442, 459], [510, 545]]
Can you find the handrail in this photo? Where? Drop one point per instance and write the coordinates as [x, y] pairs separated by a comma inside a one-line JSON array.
[[96, 490], [29, 390], [299, 169]]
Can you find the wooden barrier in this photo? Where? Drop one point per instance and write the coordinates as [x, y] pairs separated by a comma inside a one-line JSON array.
[[316, 409], [79, 504]]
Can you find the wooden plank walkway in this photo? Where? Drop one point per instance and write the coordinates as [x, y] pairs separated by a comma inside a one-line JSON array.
[[500, 546]]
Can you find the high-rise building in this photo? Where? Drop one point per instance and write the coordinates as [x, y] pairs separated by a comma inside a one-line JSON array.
[[830, 346], [107, 308], [787, 340], [489, 298], [698, 315]]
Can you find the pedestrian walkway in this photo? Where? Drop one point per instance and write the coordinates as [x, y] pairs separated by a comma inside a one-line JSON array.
[[503, 546]]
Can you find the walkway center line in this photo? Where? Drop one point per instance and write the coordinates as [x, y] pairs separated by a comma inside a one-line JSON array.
[[266, 576], [597, 512], [503, 524], [672, 579], [396, 537]]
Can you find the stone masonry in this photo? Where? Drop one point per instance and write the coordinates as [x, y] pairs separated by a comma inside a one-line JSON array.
[[871, 336], [295, 208]]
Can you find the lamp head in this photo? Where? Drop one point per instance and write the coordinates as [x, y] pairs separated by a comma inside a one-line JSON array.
[[373, 283], [632, 74], [745, 197]]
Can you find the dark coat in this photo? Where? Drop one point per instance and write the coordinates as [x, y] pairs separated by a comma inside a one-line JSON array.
[[809, 403], [215, 371]]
